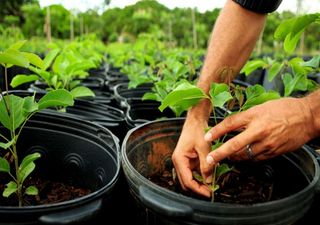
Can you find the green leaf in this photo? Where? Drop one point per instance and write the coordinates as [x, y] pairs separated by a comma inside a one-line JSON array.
[[16, 117], [34, 59], [4, 165], [55, 98], [197, 176], [17, 45], [184, 96], [75, 68], [6, 145], [253, 65], [49, 58], [284, 29], [151, 96], [267, 96], [219, 94], [216, 145], [296, 30], [214, 187], [274, 70], [222, 169], [253, 91], [22, 79], [31, 190], [291, 41], [27, 165], [11, 188], [13, 57], [44, 74], [294, 83], [297, 67], [81, 91], [314, 62], [26, 171], [29, 105]]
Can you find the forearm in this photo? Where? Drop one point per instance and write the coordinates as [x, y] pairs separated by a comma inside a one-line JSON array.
[[233, 38], [313, 104]]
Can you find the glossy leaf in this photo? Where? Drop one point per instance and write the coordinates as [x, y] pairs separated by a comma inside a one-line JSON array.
[[264, 97], [253, 65], [16, 117], [219, 94], [274, 70], [34, 59], [13, 57], [56, 98], [184, 96], [27, 165], [49, 58], [22, 79], [81, 91]]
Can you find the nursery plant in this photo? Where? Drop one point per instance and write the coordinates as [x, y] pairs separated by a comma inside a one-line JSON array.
[[15, 111], [223, 96], [61, 69], [293, 72]]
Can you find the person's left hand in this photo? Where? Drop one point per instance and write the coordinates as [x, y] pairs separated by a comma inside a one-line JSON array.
[[268, 130]]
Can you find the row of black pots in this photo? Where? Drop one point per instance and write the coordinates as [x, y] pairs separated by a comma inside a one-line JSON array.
[[85, 153]]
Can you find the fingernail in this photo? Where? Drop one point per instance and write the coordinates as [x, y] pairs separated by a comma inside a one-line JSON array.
[[209, 179], [208, 136], [210, 160]]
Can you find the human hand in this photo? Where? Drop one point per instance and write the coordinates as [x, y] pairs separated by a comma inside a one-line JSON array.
[[190, 153], [270, 129]]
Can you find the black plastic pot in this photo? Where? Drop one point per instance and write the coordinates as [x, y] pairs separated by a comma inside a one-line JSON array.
[[73, 151], [122, 93], [146, 150], [114, 77], [142, 111]]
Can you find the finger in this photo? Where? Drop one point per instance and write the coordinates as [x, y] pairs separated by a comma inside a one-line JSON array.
[[188, 183], [233, 145], [205, 168], [230, 123]]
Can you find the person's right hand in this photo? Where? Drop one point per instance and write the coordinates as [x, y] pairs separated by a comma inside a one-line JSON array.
[[190, 154]]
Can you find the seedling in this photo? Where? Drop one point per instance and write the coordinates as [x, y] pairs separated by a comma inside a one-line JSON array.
[[221, 96], [15, 111]]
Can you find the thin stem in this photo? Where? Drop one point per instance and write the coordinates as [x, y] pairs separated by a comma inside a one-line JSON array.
[[213, 182]]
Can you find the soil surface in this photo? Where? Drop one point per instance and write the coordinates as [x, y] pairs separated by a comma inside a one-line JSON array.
[[50, 191], [241, 185]]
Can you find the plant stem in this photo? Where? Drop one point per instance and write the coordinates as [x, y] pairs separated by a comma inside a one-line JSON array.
[[213, 182]]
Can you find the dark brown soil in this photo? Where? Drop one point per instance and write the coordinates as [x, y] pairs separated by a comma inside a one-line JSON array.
[[241, 185], [50, 191]]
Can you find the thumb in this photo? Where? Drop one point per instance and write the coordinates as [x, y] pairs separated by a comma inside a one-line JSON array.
[[205, 167]]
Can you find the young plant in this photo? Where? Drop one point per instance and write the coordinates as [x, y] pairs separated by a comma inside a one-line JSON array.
[[221, 96], [15, 111], [294, 72], [60, 70]]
